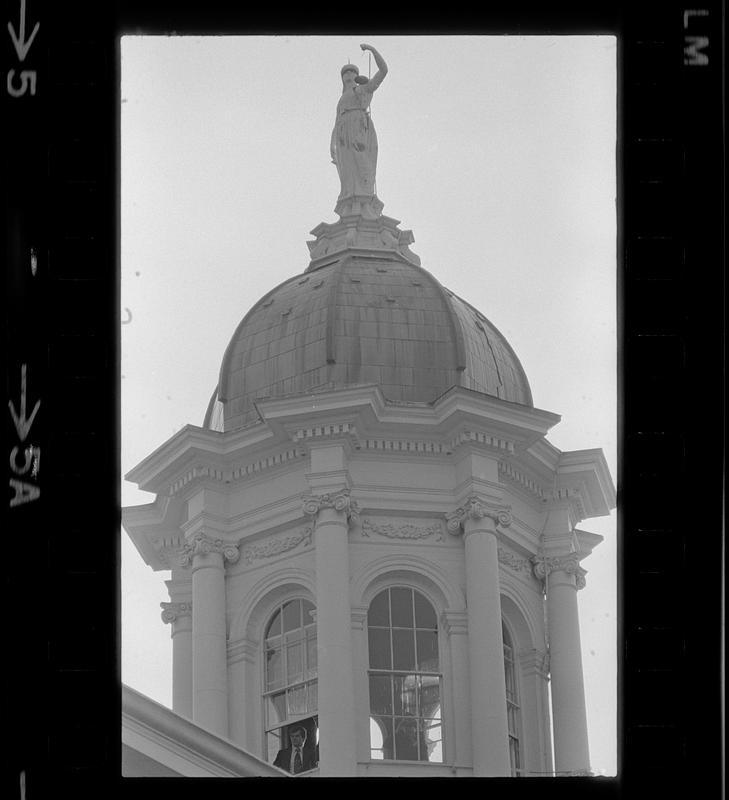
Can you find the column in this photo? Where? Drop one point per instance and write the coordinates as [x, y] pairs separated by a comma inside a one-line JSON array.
[[207, 556], [489, 726], [179, 616], [563, 577], [337, 742]]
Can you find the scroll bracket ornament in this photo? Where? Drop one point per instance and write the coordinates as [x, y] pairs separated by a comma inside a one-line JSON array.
[[202, 544], [569, 563], [475, 509], [338, 501], [171, 612]]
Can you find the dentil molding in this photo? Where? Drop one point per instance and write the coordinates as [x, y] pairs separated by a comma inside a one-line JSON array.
[[202, 544], [403, 531], [339, 501], [173, 611], [476, 509]]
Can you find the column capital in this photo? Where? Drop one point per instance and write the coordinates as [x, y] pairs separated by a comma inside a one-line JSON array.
[[475, 509], [338, 501], [568, 562], [203, 544], [171, 612]]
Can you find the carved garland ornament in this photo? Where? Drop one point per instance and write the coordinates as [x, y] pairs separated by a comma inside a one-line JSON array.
[[274, 547], [405, 531], [339, 501], [569, 563], [173, 611], [473, 508], [514, 562], [202, 544]]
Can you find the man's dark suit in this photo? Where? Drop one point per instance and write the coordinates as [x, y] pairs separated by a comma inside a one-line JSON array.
[[283, 759]]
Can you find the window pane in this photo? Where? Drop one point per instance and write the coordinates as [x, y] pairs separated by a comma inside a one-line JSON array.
[[275, 709], [431, 741], [379, 648], [429, 696], [406, 695], [403, 649], [380, 694], [313, 696], [424, 613], [379, 612], [308, 612], [514, 755], [406, 739], [292, 615], [294, 662], [402, 607], [273, 668], [427, 650], [311, 655], [297, 700], [273, 744], [274, 627], [381, 741]]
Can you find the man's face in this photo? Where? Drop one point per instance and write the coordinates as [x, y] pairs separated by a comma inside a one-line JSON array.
[[297, 739]]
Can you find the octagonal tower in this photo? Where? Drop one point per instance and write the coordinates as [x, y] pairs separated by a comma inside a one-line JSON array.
[[370, 536]]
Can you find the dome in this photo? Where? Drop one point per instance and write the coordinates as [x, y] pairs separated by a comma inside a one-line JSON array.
[[362, 318]]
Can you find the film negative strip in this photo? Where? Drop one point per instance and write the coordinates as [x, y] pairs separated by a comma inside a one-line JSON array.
[[62, 377], [672, 281]]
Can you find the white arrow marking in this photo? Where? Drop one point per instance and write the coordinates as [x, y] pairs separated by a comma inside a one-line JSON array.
[[21, 46], [22, 426]]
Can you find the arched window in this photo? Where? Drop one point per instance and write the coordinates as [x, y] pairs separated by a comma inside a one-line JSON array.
[[404, 677], [512, 703], [290, 684]]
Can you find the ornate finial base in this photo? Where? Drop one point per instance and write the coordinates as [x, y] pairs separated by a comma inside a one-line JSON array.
[[366, 206], [360, 232]]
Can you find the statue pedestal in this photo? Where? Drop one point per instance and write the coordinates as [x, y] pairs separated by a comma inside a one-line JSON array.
[[357, 232]]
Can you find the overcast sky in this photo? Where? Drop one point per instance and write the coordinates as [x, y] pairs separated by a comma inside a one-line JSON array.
[[498, 153]]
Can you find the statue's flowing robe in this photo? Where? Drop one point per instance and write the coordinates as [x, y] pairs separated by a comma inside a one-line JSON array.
[[354, 142]]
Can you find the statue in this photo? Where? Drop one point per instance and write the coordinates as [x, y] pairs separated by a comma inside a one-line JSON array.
[[354, 141]]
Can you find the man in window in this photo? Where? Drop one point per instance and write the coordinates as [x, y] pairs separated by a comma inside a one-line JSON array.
[[295, 758]]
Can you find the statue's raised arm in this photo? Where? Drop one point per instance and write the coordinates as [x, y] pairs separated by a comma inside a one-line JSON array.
[[379, 76], [354, 141]]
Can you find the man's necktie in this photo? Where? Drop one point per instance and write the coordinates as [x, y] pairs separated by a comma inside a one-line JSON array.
[[297, 761]]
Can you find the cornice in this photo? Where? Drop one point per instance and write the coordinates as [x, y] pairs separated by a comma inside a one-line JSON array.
[[230, 477], [511, 475], [359, 415]]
